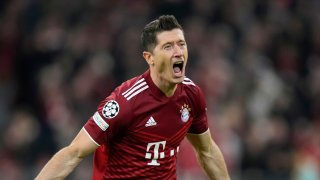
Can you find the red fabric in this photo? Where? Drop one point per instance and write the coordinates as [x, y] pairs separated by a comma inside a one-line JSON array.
[[132, 144]]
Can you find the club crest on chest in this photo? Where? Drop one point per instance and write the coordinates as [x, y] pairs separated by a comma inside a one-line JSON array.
[[185, 113]]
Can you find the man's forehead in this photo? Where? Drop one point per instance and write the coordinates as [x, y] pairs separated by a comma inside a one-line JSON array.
[[170, 36]]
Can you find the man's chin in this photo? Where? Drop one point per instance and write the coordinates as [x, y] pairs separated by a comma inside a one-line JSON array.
[[178, 80]]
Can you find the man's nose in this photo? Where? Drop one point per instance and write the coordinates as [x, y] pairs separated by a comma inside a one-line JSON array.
[[177, 50]]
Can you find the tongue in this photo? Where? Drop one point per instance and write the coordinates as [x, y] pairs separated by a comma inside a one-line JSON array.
[[176, 69]]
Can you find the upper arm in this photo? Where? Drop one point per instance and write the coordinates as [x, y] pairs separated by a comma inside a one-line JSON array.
[[111, 118], [83, 144], [209, 155], [200, 122], [201, 142]]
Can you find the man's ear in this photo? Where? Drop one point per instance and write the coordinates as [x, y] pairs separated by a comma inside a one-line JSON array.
[[148, 57]]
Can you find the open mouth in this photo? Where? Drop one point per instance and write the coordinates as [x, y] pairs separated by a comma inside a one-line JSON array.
[[177, 68]]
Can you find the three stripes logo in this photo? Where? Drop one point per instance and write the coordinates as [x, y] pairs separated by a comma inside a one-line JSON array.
[[151, 122], [137, 88]]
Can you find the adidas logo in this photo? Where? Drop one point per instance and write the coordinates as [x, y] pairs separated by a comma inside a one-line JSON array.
[[151, 122]]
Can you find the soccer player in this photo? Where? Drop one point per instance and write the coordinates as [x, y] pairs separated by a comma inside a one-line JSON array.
[[136, 131]]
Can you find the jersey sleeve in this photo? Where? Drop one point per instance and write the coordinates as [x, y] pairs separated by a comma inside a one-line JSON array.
[[110, 118], [200, 121]]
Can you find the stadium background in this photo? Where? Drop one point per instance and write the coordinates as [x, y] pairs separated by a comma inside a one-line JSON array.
[[258, 63]]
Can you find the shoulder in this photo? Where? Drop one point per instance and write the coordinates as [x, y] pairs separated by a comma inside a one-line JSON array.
[[187, 81], [131, 88], [190, 87], [193, 91], [196, 96], [117, 104]]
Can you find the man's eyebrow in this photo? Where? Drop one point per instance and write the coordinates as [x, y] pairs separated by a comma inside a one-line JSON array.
[[166, 43], [184, 41], [172, 42]]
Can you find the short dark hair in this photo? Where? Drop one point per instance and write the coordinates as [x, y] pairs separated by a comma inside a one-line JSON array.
[[150, 31]]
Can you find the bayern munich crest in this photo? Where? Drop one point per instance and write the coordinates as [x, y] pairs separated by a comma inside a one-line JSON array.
[[185, 112], [110, 109]]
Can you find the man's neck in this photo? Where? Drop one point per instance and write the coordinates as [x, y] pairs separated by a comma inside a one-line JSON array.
[[166, 87]]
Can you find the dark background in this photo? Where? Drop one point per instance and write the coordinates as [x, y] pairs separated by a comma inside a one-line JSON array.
[[258, 63]]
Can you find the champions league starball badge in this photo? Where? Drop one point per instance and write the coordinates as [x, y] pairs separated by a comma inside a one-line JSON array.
[[185, 112], [110, 109]]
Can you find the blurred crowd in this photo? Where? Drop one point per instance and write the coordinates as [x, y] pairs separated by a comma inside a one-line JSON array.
[[258, 63]]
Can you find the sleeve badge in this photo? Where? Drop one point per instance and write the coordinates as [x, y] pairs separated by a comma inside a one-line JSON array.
[[110, 109]]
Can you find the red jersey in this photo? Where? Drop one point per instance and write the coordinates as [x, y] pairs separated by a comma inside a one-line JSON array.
[[139, 129]]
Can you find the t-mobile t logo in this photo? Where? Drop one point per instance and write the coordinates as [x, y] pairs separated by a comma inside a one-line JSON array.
[[156, 153]]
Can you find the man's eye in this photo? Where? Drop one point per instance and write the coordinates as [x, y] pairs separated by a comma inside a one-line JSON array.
[[167, 47], [182, 44]]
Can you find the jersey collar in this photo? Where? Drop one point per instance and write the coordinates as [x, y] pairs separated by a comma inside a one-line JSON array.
[[155, 90]]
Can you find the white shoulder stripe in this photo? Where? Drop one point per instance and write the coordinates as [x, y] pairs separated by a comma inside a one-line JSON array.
[[188, 81], [137, 92], [134, 89], [100, 122], [142, 79], [90, 136]]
